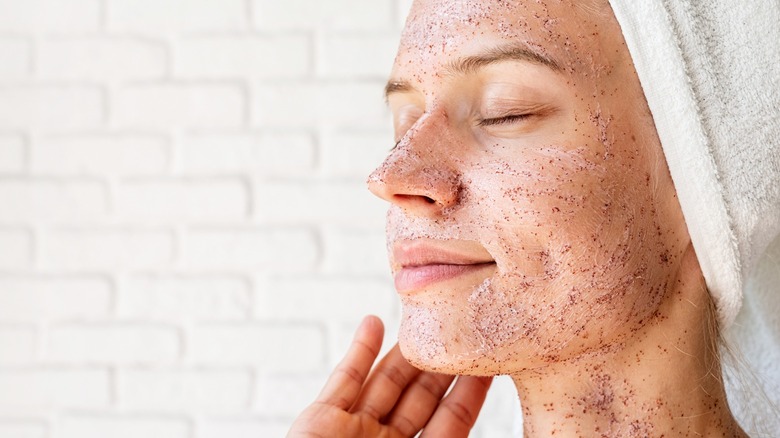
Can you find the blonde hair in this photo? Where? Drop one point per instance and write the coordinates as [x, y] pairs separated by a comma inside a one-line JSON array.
[[742, 385]]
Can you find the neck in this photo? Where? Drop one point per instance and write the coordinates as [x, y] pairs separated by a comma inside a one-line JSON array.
[[665, 382]]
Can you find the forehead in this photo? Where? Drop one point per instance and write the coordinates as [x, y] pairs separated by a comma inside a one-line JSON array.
[[438, 31]]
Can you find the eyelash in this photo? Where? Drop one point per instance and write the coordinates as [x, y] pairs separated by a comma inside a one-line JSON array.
[[504, 120], [490, 122]]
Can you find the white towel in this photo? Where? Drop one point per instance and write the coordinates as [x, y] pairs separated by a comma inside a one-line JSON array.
[[710, 70]]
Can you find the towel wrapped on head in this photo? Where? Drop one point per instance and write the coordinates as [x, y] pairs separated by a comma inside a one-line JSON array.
[[710, 70]]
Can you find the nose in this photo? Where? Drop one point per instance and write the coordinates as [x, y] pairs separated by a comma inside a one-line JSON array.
[[418, 176]]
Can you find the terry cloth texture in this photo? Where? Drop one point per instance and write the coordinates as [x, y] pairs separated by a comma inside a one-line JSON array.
[[710, 70]]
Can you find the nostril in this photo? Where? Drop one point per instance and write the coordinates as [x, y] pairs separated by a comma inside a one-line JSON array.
[[427, 200]]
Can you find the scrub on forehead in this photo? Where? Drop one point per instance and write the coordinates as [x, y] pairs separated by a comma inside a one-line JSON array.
[[524, 127]]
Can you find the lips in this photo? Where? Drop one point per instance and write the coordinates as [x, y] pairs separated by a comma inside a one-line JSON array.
[[422, 263]]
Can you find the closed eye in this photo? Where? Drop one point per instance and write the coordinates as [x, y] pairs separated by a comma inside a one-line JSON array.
[[504, 120]]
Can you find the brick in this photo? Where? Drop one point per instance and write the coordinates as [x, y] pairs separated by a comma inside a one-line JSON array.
[[355, 154], [176, 16], [488, 427], [17, 345], [196, 105], [256, 154], [242, 57], [351, 251], [13, 153], [53, 200], [287, 395], [22, 429], [333, 15], [274, 348], [171, 297], [50, 15], [126, 426], [278, 249], [322, 297], [100, 154], [16, 56], [176, 390], [309, 104], [103, 59], [60, 388], [183, 200], [356, 56], [51, 107], [112, 344], [403, 7], [107, 249], [341, 335], [242, 428], [17, 248], [53, 297], [319, 202], [502, 407]]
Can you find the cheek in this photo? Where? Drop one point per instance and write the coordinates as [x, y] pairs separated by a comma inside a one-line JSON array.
[[571, 235], [579, 259], [542, 198]]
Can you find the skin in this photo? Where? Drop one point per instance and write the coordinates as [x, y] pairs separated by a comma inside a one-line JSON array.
[[394, 400], [545, 161]]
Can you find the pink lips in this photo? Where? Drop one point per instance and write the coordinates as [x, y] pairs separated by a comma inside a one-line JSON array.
[[423, 263]]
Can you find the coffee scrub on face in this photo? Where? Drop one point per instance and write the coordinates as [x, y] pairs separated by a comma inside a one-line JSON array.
[[524, 129]]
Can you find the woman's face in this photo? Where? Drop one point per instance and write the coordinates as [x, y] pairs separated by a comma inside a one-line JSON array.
[[532, 216]]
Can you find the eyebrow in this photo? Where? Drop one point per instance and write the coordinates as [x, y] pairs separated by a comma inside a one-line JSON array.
[[471, 64]]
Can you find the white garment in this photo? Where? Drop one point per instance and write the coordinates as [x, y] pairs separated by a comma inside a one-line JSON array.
[[710, 70]]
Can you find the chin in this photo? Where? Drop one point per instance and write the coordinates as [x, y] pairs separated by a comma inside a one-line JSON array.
[[432, 339], [461, 363], [440, 336], [443, 363]]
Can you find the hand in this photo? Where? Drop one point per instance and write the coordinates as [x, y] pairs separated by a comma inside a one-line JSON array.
[[395, 400]]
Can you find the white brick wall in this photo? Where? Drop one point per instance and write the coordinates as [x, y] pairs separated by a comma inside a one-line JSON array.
[[186, 241], [45, 298], [46, 106], [99, 59], [99, 425], [50, 16], [17, 248], [15, 53]]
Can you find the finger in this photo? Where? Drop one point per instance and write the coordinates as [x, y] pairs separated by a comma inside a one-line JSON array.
[[458, 412], [385, 384], [343, 386], [418, 403]]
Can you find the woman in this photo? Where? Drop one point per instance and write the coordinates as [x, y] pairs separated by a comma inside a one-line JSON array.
[[535, 231]]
